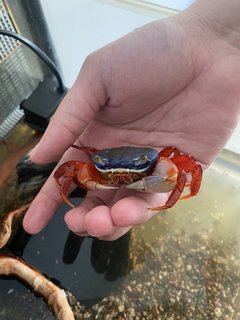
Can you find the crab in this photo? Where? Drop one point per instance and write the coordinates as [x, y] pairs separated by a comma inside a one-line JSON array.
[[142, 169]]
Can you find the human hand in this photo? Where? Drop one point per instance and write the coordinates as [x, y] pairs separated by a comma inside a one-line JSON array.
[[174, 82]]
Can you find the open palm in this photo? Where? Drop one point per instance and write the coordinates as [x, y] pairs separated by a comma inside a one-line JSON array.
[[166, 84]]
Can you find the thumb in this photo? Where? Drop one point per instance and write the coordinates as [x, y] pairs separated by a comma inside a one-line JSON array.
[[77, 108]]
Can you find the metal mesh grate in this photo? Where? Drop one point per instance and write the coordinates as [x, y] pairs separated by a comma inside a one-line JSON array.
[[7, 45], [17, 74], [10, 122]]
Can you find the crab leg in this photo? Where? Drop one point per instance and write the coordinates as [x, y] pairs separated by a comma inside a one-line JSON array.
[[170, 174], [54, 296], [85, 149], [187, 164], [81, 173], [175, 194], [168, 151]]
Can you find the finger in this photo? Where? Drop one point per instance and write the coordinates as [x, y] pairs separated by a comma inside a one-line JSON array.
[[74, 113], [96, 222], [134, 210], [92, 216], [118, 233], [46, 202], [75, 218], [81, 234], [40, 212]]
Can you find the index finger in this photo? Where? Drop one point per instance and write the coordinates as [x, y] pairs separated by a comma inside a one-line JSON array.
[[42, 207], [47, 201], [75, 111]]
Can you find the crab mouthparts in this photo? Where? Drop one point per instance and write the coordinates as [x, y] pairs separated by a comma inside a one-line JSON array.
[[120, 170]]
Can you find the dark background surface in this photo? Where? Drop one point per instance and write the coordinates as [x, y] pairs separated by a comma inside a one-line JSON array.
[[89, 268]]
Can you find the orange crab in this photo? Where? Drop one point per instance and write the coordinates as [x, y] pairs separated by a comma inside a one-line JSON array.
[[139, 168]]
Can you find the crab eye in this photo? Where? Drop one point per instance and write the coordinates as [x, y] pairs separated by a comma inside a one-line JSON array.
[[98, 160], [140, 160]]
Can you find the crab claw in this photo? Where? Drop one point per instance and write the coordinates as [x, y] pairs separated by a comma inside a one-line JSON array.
[[156, 184]]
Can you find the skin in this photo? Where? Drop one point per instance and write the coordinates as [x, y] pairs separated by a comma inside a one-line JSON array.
[[173, 82]]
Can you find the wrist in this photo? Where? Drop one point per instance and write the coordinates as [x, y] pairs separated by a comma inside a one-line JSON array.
[[220, 17]]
